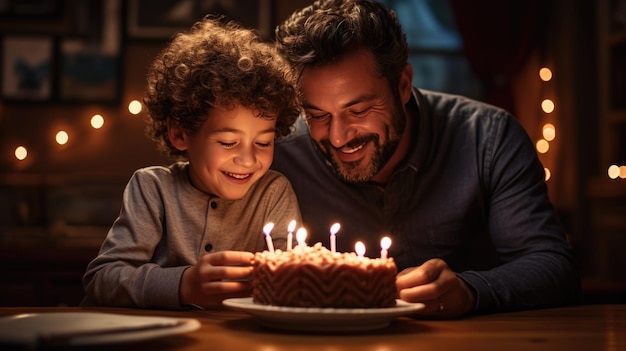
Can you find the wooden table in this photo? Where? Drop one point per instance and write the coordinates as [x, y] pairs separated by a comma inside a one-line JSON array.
[[588, 327]]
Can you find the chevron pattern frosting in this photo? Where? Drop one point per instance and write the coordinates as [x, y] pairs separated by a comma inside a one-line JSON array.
[[316, 277]]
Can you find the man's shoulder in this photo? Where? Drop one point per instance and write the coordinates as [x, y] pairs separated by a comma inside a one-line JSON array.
[[459, 105], [294, 146], [297, 157]]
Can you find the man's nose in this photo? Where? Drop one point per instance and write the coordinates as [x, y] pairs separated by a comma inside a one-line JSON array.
[[340, 131]]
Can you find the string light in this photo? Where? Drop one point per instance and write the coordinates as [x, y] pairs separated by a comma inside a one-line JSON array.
[[549, 132], [613, 171], [547, 106], [134, 107], [62, 137], [542, 146], [21, 153], [545, 74], [97, 121]]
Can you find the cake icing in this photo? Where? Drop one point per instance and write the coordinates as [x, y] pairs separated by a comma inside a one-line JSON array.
[[313, 276]]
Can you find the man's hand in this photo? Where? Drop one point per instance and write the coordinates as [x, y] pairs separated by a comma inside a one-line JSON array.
[[434, 284]]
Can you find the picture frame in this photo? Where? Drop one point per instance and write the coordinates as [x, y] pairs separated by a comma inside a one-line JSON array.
[[30, 8], [27, 67], [89, 59], [160, 20]]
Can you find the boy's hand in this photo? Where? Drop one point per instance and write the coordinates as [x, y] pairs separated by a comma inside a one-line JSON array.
[[216, 277]]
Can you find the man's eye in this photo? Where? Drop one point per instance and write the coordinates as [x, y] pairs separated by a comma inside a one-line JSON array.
[[226, 144], [317, 117], [361, 113]]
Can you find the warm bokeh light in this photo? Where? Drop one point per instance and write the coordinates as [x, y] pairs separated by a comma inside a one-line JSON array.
[[21, 153], [545, 74], [613, 171], [549, 132], [622, 172], [542, 146], [134, 107], [547, 106], [97, 121], [548, 173], [62, 137]]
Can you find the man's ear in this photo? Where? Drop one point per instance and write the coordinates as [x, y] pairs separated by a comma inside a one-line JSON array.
[[405, 85], [177, 135]]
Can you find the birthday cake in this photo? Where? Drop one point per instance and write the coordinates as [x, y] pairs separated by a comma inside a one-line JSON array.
[[313, 276]]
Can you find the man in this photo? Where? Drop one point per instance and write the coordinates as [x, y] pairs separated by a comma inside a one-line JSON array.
[[455, 183]]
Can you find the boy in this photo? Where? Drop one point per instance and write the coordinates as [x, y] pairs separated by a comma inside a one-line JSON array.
[[217, 98]]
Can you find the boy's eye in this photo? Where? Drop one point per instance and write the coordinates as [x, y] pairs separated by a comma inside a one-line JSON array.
[[264, 145], [226, 144]]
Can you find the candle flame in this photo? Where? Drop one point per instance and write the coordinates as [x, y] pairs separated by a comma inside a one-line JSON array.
[[385, 243], [292, 226], [359, 247], [301, 235], [335, 228], [268, 228]]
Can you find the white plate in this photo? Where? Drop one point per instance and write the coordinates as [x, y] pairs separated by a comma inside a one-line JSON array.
[[323, 319], [88, 328]]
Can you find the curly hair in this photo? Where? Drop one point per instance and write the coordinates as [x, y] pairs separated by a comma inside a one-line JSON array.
[[327, 30], [217, 64]]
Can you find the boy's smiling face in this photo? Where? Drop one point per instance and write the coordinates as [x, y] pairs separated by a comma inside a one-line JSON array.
[[231, 151]]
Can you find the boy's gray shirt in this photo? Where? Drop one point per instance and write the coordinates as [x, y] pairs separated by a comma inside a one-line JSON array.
[[166, 225]]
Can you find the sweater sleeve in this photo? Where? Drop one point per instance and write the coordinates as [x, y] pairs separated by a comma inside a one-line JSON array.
[[538, 265], [123, 273]]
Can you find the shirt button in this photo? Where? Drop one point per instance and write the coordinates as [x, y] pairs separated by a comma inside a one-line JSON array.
[[208, 247], [213, 204]]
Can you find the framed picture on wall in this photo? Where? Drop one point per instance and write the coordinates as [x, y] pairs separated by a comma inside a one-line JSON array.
[[30, 8], [89, 58], [148, 19], [27, 63]]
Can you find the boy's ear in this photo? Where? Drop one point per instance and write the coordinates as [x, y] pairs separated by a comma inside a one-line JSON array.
[[176, 134]]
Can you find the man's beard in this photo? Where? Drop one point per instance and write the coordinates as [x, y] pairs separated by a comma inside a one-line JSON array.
[[360, 171]]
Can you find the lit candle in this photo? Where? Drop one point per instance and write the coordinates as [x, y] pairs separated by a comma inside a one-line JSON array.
[[359, 247], [268, 238], [301, 237], [333, 238], [290, 228], [385, 243]]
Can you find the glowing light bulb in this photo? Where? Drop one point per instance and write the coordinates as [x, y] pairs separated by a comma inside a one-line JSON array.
[[134, 107], [547, 172], [549, 132], [97, 121], [21, 153], [545, 74], [542, 146], [613, 171], [622, 172], [547, 106], [62, 137]]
